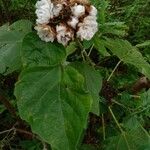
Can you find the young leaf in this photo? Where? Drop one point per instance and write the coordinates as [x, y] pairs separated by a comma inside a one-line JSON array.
[[10, 45], [128, 54], [55, 104], [38, 53], [93, 83]]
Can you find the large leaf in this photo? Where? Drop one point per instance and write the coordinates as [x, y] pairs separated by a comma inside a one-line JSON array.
[[10, 45], [128, 54], [55, 104], [36, 52], [93, 83]]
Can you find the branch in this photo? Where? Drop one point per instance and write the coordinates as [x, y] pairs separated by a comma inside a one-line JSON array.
[[9, 107]]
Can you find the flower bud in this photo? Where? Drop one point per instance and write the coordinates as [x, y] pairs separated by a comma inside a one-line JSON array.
[[73, 22], [57, 9], [88, 28], [78, 10], [64, 34], [44, 11], [93, 11], [45, 33]]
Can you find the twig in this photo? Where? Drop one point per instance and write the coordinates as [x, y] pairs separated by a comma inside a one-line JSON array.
[[114, 70], [103, 126], [140, 111], [17, 130], [6, 131], [116, 121], [84, 53], [9, 107], [133, 96], [121, 130], [120, 104], [88, 58], [25, 132], [90, 50]]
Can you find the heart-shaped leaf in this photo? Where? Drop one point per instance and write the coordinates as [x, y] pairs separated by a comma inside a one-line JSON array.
[[55, 104]]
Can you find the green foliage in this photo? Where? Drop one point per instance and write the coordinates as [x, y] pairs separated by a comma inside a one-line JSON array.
[[10, 45], [38, 53], [62, 92], [135, 137], [93, 81], [66, 104], [128, 54]]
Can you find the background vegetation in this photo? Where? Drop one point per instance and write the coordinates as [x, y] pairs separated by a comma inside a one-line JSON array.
[[123, 122]]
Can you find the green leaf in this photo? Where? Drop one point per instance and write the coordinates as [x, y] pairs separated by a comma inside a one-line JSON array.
[[10, 46], [71, 48], [39, 53], [128, 54], [2, 108], [99, 45], [30, 145], [22, 26], [114, 28], [132, 140], [54, 103], [87, 44], [135, 137], [145, 44], [145, 98], [93, 83]]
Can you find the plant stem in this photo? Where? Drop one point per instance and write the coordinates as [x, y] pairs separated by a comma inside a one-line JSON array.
[[121, 130], [114, 70], [133, 96], [25, 132], [103, 126], [120, 104], [90, 50], [18, 130], [3, 132], [116, 121], [84, 53], [9, 107]]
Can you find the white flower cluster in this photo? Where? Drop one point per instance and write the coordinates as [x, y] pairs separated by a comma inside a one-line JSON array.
[[64, 20]]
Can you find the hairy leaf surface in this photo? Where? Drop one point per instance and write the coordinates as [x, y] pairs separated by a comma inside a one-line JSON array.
[[10, 45], [93, 83], [134, 138], [53, 101], [38, 53], [129, 54]]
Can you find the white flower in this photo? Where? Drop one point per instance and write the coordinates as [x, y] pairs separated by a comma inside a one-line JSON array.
[[49, 28], [73, 22], [44, 11], [64, 35], [78, 10], [57, 9], [88, 28], [93, 11], [45, 32], [90, 21]]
